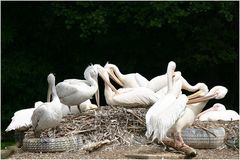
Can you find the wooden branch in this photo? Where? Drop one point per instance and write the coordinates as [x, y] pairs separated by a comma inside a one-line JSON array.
[[94, 146], [154, 156], [189, 151]]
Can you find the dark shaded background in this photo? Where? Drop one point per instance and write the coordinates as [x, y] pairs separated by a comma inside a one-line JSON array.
[[65, 37]]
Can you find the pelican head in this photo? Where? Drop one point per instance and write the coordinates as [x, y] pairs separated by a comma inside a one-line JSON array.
[[104, 75], [218, 107], [91, 71], [51, 78], [171, 67], [111, 69], [170, 73], [217, 92], [215, 107], [203, 90], [51, 82]]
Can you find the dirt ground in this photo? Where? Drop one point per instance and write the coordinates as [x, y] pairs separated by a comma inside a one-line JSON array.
[[121, 152]]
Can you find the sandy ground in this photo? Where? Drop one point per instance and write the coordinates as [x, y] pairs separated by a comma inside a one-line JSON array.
[[120, 152]]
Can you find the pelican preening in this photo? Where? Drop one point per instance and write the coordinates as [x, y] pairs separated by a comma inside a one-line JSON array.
[[74, 92], [49, 114], [218, 112], [192, 110], [131, 80], [127, 97], [170, 114], [163, 114]]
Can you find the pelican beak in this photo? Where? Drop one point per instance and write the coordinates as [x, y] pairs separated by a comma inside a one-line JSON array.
[[49, 93], [114, 77], [196, 94], [107, 81], [97, 97], [201, 99]]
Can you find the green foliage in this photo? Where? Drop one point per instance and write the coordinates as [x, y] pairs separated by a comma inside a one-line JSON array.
[[85, 17], [6, 144], [91, 19]]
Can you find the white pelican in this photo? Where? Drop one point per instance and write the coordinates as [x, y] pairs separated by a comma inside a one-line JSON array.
[[74, 92], [218, 112], [49, 114], [126, 97], [164, 113], [192, 110], [21, 120], [131, 80]]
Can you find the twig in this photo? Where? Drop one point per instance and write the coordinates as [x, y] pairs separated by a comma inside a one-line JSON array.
[[78, 132], [206, 130], [141, 121]]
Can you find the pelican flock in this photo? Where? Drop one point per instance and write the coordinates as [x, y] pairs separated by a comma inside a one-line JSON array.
[[169, 110]]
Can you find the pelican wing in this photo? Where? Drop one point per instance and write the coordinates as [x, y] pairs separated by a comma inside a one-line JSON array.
[[158, 108], [169, 117], [76, 81], [65, 89], [21, 120], [37, 115], [142, 81], [158, 82], [135, 97], [163, 114], [74, 94]]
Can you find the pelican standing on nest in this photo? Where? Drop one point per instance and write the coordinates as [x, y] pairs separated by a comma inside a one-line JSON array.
[[218, 112], [49, 114], [195, 105], [74, 92], [127, 97], [164, 113]]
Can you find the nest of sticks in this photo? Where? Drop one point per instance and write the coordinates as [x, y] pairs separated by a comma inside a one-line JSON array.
[[126, 126], [104, 123]]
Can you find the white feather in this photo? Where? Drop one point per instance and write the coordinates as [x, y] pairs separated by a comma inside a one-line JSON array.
[[22, 118]]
